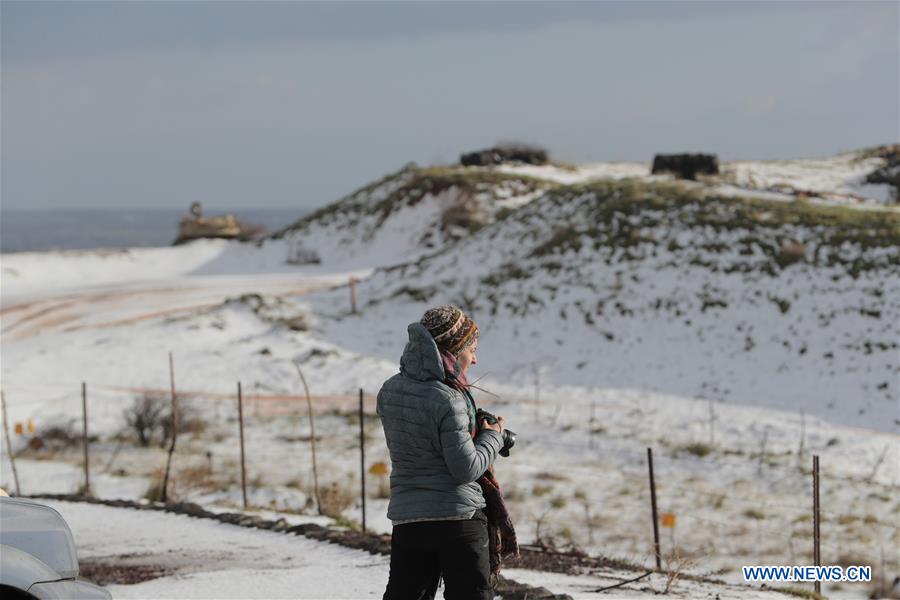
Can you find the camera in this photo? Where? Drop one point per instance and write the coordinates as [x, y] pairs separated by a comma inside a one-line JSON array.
[[509, 437]]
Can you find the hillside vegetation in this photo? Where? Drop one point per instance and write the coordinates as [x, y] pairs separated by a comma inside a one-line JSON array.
[[674, 287]]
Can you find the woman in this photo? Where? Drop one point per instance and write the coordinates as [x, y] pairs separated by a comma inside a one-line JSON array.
[[440, 467]]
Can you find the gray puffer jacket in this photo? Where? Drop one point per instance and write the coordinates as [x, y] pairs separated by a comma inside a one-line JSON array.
[[435, 461]]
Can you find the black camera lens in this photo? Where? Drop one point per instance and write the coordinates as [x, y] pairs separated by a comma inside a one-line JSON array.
[[509, 440]]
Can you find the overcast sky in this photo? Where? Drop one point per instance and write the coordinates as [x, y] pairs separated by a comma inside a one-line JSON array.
[[236, 105]]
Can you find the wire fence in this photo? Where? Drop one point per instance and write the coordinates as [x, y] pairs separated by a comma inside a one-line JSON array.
[[679, 496]]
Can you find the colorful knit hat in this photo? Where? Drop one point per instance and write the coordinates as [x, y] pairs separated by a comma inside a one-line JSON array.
[[450, 327]]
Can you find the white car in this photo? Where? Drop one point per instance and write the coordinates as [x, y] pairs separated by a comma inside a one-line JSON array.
[[37, 555]]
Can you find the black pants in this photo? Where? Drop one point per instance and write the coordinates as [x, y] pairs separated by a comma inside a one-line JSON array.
[[422, 552]]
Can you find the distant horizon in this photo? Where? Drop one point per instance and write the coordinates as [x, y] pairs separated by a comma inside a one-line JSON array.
[[41, 230], [310, 208], [154, 209]]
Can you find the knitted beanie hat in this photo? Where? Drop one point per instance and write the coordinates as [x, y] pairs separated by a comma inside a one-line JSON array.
[[450, 327]]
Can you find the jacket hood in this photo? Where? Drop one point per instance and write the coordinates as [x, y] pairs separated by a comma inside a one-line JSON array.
[[421, 360]]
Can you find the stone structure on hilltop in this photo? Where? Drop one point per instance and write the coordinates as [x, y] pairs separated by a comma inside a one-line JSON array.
[[685, 166], [505, 153], [195, 226]]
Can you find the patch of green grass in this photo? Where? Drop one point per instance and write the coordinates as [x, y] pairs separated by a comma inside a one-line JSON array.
[[558, 502], [610, 209], [752, 513], [342, 521], [541, 490]]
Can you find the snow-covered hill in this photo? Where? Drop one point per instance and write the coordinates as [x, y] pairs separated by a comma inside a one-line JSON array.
[[409, 213], [856, 178], [619, 311], [844, 177], [672, 287]]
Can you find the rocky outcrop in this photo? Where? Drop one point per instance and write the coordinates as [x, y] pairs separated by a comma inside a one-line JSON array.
[[512, 153], [686, 166], [890, 172]]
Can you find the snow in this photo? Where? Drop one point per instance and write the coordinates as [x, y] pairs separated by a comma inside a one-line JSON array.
[[216, 560], [840, 178], [586, 399], [207, 559], [580, 173], [801, 338], [841, 175], [37, 273]]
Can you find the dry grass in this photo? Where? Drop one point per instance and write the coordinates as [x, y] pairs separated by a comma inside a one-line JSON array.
[[336, 497], [677, 564]]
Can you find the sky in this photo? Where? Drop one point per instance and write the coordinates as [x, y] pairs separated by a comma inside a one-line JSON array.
[[295, 104]]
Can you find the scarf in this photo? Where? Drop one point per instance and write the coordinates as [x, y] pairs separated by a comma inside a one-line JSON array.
[[502, 540]]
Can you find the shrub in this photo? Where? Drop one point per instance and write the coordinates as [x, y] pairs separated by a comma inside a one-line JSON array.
[[56, 438], [144, 416], [541, 490], [154, 490], [698, 449], [150, 418]]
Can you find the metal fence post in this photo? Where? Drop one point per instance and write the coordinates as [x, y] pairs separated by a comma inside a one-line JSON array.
[[653, 505], [9, 449], [84, 439], [362, 459], [817, 556], [241, 425]]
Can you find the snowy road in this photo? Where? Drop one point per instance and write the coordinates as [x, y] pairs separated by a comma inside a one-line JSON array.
[[206, 559]]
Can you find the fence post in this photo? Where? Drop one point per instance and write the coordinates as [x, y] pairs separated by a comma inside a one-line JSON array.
[[817, 557], [878, 463], [241, 425], [653, 505], [353, 295], [165, 487], [312, 439], [762, 451], [84, 439], [9, 450], [593, 410], [362, 459]]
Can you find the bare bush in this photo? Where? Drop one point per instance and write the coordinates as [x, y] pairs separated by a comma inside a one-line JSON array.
[[56, 438], [464, 214], [150, 418], [188, 421], [336, 497], [298, 255], [143, 417], [677, 564]]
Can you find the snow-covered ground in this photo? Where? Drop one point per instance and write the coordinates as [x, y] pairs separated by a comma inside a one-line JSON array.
[[732, 465], [207, 559], [842, 177]]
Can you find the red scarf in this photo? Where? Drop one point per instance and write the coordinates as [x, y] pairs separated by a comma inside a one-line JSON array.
[[453, 375], [501, 534]]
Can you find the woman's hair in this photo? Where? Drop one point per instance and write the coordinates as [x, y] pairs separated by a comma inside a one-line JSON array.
[[450, 327]]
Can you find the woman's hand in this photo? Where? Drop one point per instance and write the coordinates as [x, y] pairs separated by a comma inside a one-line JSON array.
[[498, 426]]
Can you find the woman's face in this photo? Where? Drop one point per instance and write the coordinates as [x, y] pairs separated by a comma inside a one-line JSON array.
[[467, 357]]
